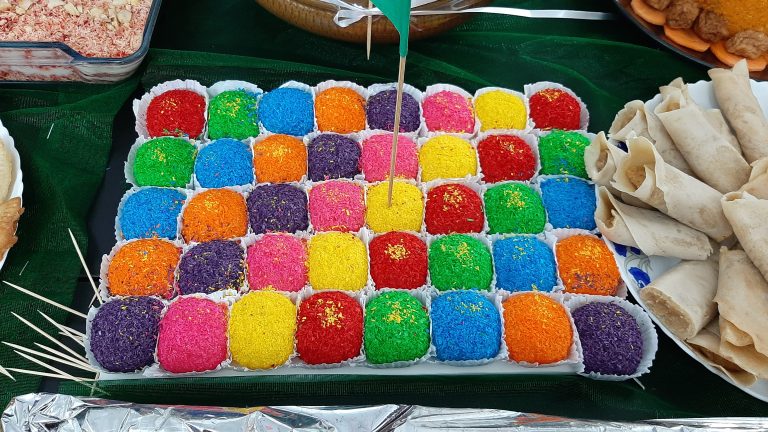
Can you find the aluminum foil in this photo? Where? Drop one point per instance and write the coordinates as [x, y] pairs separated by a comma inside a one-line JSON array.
[[53, 412]]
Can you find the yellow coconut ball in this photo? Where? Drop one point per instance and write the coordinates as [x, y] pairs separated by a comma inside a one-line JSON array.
[[498, 109], [405, 214], [447, 156], [261, 329], [337, 261]]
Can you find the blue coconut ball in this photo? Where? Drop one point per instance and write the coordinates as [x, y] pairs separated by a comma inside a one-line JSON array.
[[570, 202], [524, 263], [224, 162], [465, 326], [287, 111], [151, 212]]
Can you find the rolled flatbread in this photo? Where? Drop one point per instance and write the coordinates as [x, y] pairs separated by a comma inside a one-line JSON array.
[[630, 120], [643, 174], [707, 344], [745, 357], [683, 297], [731, 334], [716, 119], [651, 231], [740, 107], [742, 300], [757, 186], [747, 216], [711, 157], [663, 142], [600, 158]]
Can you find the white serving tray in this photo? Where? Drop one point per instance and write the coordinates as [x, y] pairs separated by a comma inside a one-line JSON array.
[[638, 269]]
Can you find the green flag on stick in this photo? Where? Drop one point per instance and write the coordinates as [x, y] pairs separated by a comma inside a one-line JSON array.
[[399, 12]]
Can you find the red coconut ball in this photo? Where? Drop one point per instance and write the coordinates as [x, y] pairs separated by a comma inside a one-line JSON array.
[[506, 157], [330, 328], [398, 260], [176, 113], [453, 208], [555, 109]]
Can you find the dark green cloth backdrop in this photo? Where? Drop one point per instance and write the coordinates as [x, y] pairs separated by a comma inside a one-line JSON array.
[[607, 63]]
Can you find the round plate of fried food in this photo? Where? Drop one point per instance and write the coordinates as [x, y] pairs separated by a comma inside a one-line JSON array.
[[715, 33], [11, 188]]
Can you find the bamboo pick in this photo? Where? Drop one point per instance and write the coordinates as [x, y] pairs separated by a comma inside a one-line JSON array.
[[51, 302], [50, 357], [61, 354], [368, 33], [73, 337], [85, 266], [49, 337], [396, 129], [6, 373], [62, 327], [49, 375], [49, 367]]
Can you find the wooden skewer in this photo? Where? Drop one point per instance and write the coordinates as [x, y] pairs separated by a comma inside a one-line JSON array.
[[51, 302], [396, 129], [61, 354], [73, 337], [68, 331], [53, 358], [6, 373], [368, 33], [58, 371], [49, 375], [85, 266], [49, 337]]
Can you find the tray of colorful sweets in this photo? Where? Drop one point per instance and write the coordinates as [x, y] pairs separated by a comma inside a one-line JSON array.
[[257, 238]]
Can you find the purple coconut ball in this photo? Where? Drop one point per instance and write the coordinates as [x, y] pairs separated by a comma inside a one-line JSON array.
[[123, 333], [381, 112], [610, 338], [212, 266], [278, 208], [331, 156]]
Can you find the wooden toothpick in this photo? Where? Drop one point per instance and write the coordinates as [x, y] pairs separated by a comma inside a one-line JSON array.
[[49, 375], [61, 327], [396, 129], [51, 302], [6, 373], [65, 375], [77, 365], [47, 336], [85, 266], [61, 354], [368, 33]]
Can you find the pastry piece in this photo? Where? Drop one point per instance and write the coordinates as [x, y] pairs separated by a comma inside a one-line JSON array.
[[717, 120], [651, 231], [683, 297], [741, 109], [10, 212], [742, 299], [644, 175], [757, 185], [601, 158], [6, 171], [747, 216], [663, 142], [682, 13], [630, 120], [707, 344], [711, 157]]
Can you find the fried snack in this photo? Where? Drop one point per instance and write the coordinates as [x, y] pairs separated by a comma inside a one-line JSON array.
[[6, 171], [707, 343], [10, 211]]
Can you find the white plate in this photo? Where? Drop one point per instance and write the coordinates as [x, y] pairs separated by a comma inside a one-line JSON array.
[[18, 184], [638, 269]]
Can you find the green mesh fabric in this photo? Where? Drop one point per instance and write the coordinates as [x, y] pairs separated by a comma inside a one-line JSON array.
[[606, 63]]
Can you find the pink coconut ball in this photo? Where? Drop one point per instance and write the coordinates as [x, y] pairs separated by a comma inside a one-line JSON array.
[[377, 153], [277, 262], [447, 111], [337, 206], [193, 335]]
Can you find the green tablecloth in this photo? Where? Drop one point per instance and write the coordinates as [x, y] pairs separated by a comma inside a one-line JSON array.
[[607, 63]]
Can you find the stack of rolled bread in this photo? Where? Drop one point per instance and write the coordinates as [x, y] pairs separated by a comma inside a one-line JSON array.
[[693, 185]]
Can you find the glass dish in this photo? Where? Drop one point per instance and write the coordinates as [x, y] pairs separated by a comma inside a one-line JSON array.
[[56, 61]]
